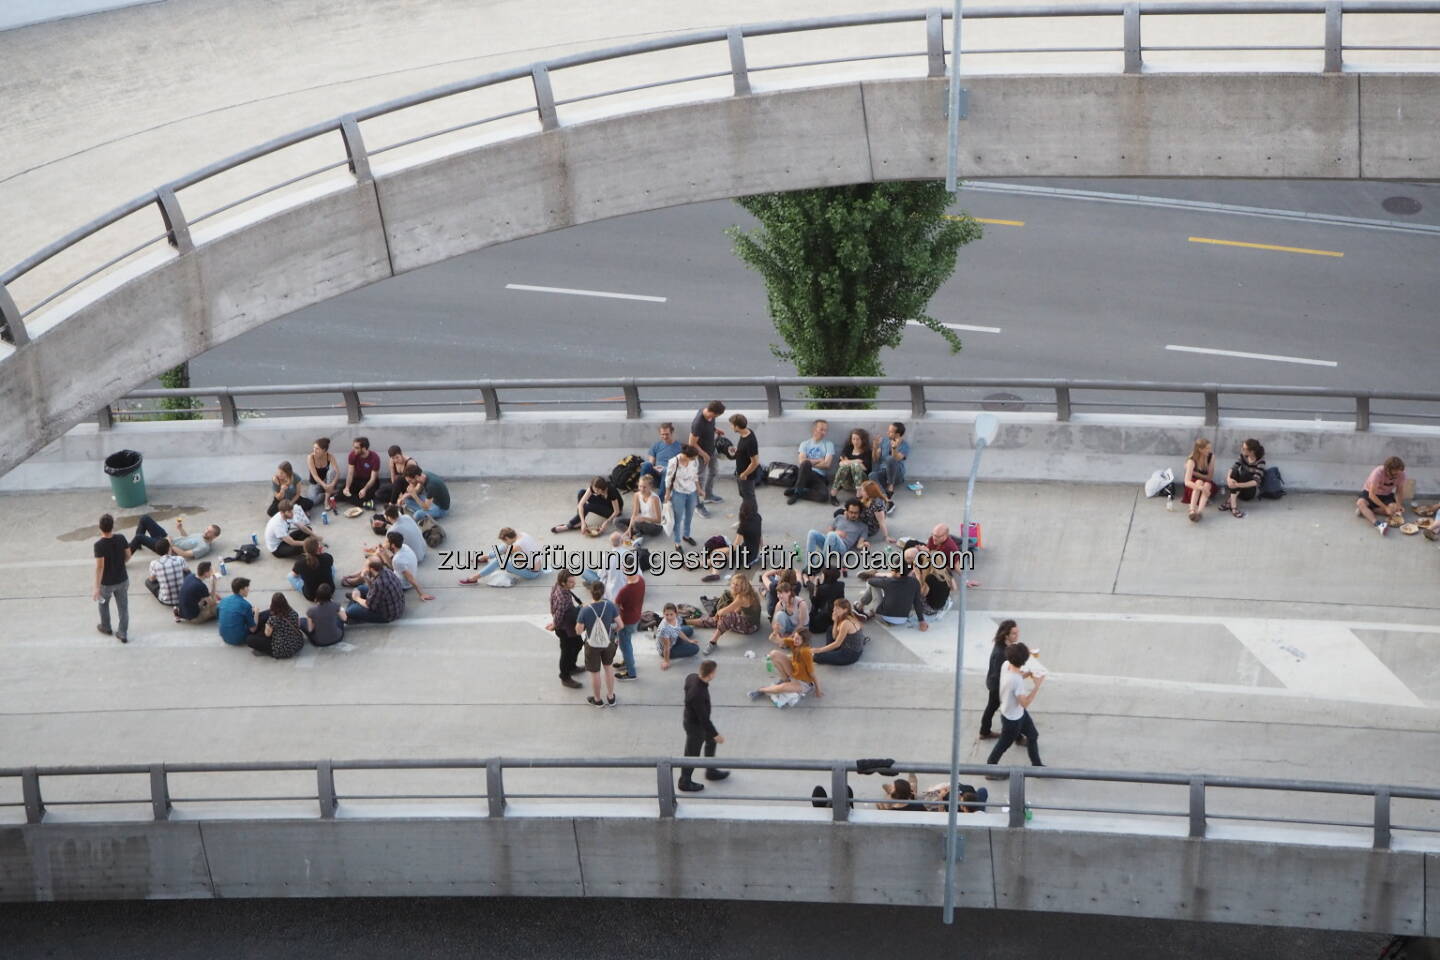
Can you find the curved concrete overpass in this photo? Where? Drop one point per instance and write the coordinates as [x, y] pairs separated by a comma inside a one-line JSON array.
[[292, 249]]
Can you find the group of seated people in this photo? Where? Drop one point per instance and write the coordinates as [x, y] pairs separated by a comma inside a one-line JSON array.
[[409, 487], [1242, 481], [825, 472]]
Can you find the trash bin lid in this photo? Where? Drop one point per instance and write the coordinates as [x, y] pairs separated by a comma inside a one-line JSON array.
[[125, 461]]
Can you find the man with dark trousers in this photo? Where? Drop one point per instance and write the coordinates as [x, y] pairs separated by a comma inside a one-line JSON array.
[[698, 728]]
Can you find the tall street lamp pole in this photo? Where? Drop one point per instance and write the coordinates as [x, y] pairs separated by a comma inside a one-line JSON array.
[[987, 425], [952, 164]]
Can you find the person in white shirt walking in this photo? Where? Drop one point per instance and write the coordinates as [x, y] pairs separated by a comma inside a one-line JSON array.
[[1015, 718]]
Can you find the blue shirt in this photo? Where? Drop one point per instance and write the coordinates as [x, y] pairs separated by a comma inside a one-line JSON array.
[[192, 591], [885, 448], [810, 449], [235, 616], [663, 453], [608, 614]]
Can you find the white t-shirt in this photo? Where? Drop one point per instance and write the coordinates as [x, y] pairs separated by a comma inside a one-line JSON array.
[[614, 577], [532, 548], [404, 560], [682, 479], [1012, 685], [278, 527]]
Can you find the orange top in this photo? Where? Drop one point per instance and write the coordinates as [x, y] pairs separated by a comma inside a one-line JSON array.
[[802, 663]]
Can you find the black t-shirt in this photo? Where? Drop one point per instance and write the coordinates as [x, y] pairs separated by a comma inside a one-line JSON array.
[[747, 449], [192, 591], [937, 592], [312, 577], [112, 549], [749, 531], [603, 504], [704, 429], [822, 603]]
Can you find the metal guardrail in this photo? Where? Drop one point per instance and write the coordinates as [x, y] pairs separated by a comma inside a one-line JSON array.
[[1129, 16], [920, 396], [661, 791]]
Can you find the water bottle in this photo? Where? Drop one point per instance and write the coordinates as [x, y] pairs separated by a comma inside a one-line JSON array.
[[769, 665], [325, 516], [254, 540], [224, 570], [1029, 814], [1170, 502], [917, 488], [795, 554]]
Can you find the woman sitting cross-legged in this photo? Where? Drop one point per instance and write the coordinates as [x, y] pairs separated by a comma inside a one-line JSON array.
[[854, 469], [797, 674], [846, 641]]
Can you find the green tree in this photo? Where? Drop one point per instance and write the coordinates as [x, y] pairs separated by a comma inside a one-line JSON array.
[[178, 408], [845, 269]]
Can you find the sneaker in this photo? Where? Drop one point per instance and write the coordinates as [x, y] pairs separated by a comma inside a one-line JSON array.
[[700, 509], [709, 648], [691, 787], [689, 540], [714, 499], [790, 499], [103, 629], [610, 700], [889, 508], [330, 503], [754, 694], [625, 676], [122, 638], [572, 684], [834, 500], [710, 578], [594, 703], [716, 774], [1382, 526]]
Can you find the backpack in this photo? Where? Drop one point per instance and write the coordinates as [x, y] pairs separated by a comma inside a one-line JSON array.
[[245, 553], [688, 611], [598, 635], [626, 475], [781, 474], [430, 529], [724, 448], [1272, 485], [649, 620]]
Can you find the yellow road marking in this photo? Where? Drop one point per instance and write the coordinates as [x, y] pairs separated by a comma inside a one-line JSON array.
[[1002, 223], [1267, 246]]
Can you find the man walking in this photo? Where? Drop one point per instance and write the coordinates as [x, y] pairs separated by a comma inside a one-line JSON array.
[[699, 731], [747, 456], [1014, 707], [111, 580], [702, 437]]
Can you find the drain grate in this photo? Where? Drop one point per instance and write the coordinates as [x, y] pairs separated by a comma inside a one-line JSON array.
[[1002, 402], [1405, 206]]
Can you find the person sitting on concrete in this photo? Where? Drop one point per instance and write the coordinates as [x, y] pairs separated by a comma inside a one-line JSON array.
[[167, 572], [905, 795], [741, 551], [945, 552], [235, 615], [426, 493], [389, 491], [846, 641], [891, 453], [792, 613], [645, 511], [1199, 478], [401, 559], [287, 531], [1380, 499], [658, 457], [737, 610], [404, 524], [285, 486], [362, 474], [847, 533], [598, 508], [148, 533], [198, 602], [1245, 477], [874, 509], [853, 467], [796, 666], [769, 585], [380, 599], [324, 471], [895, 600], [815, 457], [674, 640], [282, 634], [314, 569], [825, 589], [326, 619], [505, 555], [937, 588]]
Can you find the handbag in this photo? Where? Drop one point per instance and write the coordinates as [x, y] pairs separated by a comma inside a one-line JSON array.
[[667, 518]]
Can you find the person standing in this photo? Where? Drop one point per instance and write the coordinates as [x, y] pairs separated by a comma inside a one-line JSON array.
[[1007, 633], [682, 486], [702, 437], [564, 611], [111, 580], [1015, 718], [747, 456], [598, 624], [631, 601], [700, 731]]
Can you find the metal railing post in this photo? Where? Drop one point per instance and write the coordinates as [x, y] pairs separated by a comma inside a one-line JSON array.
[[739, 71], [544, 97], [935, 42], [12, 325], [228, 414], [1017, 798], [1062, 404], [176, 226], [30, 789], [325, 788], [840, 793], [632, 400], [1133, 60], [1362, 413], [1382, 818], [159, 792], [665, 788], [1197, 806], [918, 409], [355, 149], [491, 396], [1334, 39], [105, 417], [353, 412], [495, 787], [772, 398], [1212, 408]]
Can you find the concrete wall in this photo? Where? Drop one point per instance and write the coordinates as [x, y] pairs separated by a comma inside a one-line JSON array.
[[1276, 878], [161, 311], [1091, 448]]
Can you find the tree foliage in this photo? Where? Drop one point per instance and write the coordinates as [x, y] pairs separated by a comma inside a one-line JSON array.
[[845, 268], [178, 408]]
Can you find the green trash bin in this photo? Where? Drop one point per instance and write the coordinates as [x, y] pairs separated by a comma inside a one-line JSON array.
[[127, 479]]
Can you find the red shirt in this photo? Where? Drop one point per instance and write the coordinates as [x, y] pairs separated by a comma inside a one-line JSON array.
[[630, 600], [362, 467], [948, 546]]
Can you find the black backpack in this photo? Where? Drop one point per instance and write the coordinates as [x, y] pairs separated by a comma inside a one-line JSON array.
[[724, 448], [781, 474], [626, 475], [245, 553], [1272, 485]]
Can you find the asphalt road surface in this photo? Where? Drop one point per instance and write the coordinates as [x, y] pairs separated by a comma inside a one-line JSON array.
[[1082, 289], [623, 930]]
